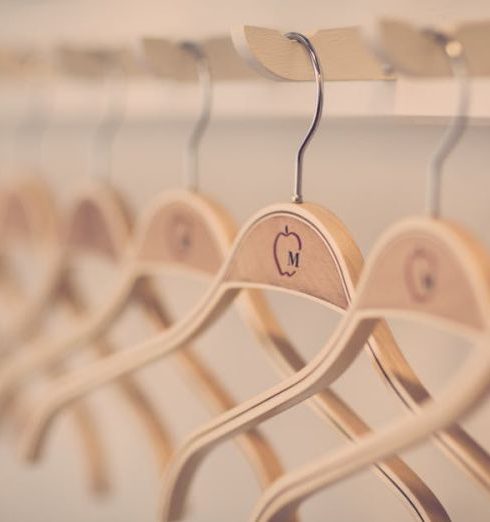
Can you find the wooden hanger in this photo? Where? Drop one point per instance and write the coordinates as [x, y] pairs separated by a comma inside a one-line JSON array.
[[426, 270], [333, 288], [27, 214], [99, 224]]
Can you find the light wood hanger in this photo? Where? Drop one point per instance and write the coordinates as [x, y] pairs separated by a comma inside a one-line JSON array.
[[336, 294], [30, 212], [27, 213], [99, 224], [426, 270], [451, 292]]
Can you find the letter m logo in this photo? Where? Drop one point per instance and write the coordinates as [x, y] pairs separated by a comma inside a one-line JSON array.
[[293, 259]]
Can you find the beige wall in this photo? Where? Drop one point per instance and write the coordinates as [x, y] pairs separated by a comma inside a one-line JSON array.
[[369, 170]]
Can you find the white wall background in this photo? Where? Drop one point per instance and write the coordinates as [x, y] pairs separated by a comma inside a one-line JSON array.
[[369, 170]]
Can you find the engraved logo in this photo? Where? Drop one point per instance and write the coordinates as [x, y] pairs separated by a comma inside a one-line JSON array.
[[420, 274], [180, 232], [287, 252]]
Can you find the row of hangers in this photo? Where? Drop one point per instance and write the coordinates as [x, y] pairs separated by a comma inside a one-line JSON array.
[[425, 269]]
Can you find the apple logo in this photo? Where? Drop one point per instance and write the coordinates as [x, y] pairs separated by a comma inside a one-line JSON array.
[[286, 249], [420, 274], [180, 233]]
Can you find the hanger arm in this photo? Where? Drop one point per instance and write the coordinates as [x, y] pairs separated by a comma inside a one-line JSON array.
[[314, 377], [327, 404], [93, 455], [455, 401], [42, 355], [130, 391], [253, 445], [454, 441], [421, 501]]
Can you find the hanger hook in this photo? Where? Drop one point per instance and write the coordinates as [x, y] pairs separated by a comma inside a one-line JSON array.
[[455, 53], [315, 62], [111, 121], [199, 128]]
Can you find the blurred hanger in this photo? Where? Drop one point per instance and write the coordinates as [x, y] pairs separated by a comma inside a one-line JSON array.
[[264, 267], [428, 270], [99, 224], [100, 209], [27, 214]]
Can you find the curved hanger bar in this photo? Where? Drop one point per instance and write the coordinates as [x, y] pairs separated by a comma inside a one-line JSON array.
[[457, 300]]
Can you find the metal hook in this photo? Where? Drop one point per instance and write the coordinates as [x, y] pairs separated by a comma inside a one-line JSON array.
[[191, 165], [455, 53], [315, 62], [110, 122]]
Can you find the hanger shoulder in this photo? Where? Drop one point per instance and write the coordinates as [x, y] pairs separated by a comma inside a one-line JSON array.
[[468, 388], [136, 398], [187, 231], [256, 448], [99, 223], [28, 212], [299, 248], [428, 268], [454, 441]]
